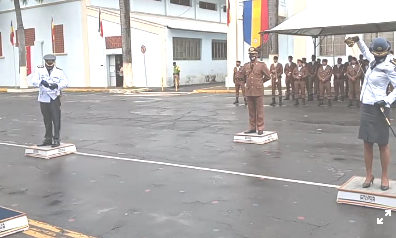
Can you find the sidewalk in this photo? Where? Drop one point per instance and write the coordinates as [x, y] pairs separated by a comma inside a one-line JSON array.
[[77, 90]]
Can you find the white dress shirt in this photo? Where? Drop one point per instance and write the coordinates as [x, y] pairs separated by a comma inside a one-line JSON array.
[[56, 76], [376, 81]]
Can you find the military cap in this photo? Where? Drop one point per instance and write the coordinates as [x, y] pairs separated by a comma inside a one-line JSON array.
[[380, 47], [252, 50], [49, 57]]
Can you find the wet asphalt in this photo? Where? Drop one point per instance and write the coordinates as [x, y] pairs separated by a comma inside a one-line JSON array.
[[106, 197]]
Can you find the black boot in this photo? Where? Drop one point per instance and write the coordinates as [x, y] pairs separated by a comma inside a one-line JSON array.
[[245, 101], [273, 102], [296, 103], [303, 101], [335, 99], [320, 102], [310, 97], [280, 100], [46, 142], [350, 103], [341, 98], [287, 97], [236, 100], [56, 143], [329, 102], [293, 97]]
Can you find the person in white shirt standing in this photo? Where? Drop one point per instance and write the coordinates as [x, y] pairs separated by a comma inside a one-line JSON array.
[[50, 80], [373, 127]]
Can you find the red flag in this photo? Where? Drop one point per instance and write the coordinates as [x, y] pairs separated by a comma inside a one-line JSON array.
[[100, 29], [12, 35], [228, 13]]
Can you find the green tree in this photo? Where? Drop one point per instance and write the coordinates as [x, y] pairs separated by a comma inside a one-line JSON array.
[[21, 42], [125, 21]]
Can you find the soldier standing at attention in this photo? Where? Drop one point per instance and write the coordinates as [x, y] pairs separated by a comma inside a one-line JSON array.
[[239, 82], [276, 78], [346, 78], [50, 80], [354, 73], [255, 74], [313, 70], [338, 72], [176, 75], [324, 76], [300, 74], [289, 67]]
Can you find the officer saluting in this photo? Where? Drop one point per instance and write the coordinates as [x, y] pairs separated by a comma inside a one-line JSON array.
[[50, 80]]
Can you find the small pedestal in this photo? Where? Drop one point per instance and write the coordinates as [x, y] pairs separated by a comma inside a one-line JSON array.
[[12, 222], [254, 138], [352, 193], [47, 152]]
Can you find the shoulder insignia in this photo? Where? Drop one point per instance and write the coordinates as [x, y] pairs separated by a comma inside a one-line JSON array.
[[393, 61], [40, 66]]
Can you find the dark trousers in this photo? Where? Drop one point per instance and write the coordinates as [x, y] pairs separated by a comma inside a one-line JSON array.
[[52, 118], [276, 84]]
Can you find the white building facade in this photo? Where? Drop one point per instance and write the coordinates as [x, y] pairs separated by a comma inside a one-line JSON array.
[[190, 32]]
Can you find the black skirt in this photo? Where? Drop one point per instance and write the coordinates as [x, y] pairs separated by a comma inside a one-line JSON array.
[[373, 126]]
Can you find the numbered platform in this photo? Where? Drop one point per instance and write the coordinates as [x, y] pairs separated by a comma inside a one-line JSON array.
[[352, 193], [47, 152], [266, 137], [12, 221]]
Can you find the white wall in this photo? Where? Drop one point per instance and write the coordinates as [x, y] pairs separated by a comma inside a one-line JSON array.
[[40, 19], [9, 5], [194, 71]]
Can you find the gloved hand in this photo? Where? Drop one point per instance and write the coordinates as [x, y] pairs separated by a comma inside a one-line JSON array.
[[355, 38], [350, 41], [53, 86], [380, 104], [44, 83]]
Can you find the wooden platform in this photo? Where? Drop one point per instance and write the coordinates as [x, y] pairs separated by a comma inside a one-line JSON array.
[[12, 221], [352, 193], [254, 138], [47, 152]]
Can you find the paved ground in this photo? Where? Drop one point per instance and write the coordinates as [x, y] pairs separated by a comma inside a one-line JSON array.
[[109, 197]]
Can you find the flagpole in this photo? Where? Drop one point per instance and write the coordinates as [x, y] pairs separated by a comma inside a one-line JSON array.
[[13, 53]]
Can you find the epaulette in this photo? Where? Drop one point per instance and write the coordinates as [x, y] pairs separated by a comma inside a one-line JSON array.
[[393, 61], [58, 68], [40, 66]]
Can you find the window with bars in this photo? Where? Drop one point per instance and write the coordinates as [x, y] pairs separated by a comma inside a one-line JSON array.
[[1, 46], [30, 37], [186, 48], [207, 5], [59, 42], [181, 2], [332, 45], [219, 50], [389, 36]]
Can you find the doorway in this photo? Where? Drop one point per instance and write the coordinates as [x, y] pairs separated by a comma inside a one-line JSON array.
[[119, 71]]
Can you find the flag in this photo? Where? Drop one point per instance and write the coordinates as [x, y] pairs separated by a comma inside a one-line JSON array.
[[53, 34], [228, 13], [12, 35], [100, 29], [255, 20]]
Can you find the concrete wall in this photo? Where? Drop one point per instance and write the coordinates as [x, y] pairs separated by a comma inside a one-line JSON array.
[[195, 71], [40, 19]]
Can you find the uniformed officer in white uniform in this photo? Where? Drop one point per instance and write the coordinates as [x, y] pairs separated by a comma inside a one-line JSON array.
[[50, 80], [373, 127]]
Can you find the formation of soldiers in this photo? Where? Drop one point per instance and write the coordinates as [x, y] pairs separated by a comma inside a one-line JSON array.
[[309, 80]]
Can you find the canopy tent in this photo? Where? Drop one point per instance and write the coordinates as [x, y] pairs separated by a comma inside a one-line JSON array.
[[339, 17]]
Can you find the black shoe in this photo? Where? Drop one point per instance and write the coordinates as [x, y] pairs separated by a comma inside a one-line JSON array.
[[335, 99], [342, 99], [273, 103], [56, 143], [350, 103], [236, 101], [245, 101], [303, 101], [260, 132], [329, 102], [287, 97], [296, 103], [320, 102], [366, 185], [280, 101], [310, 97], [250, 131], [46, 143]]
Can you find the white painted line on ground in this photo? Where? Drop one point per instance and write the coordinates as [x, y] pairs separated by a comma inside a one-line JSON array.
[[195, 168]]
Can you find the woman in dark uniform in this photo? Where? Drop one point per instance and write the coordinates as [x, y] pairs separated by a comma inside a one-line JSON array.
[[373, 127]]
